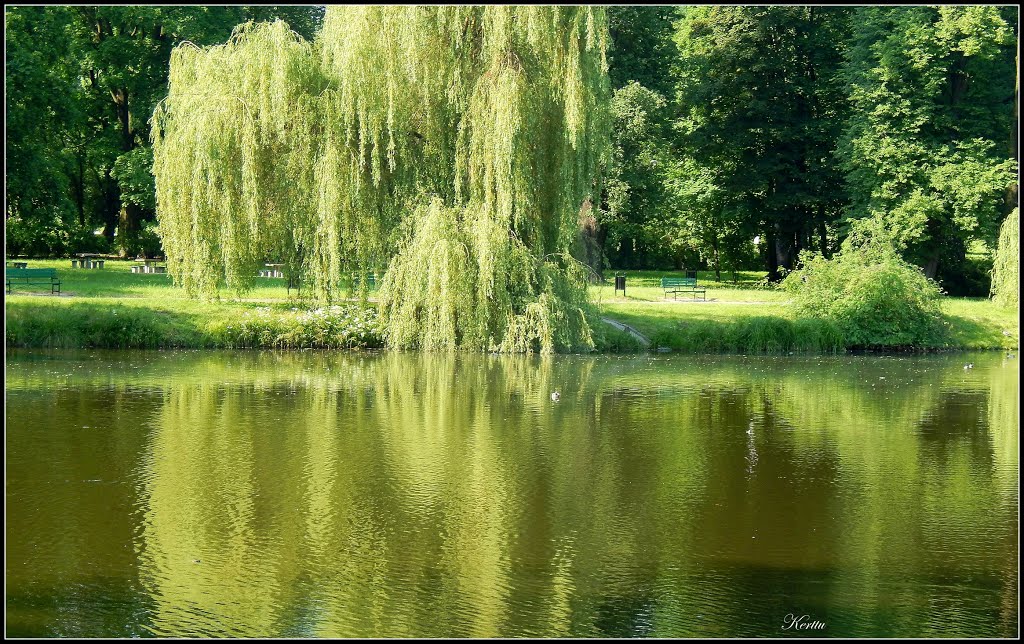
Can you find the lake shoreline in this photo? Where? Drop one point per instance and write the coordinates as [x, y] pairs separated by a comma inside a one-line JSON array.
[[115, 308], [142, 323]]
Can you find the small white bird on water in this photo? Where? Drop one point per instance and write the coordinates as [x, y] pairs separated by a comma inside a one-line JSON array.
[[555, 396]]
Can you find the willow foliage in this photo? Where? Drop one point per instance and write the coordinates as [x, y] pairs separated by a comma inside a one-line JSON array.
[[1006, 270], [453, 145]]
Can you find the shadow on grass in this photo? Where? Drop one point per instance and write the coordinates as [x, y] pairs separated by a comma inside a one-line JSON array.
[[970, 333], [85, 324], [761, 334]]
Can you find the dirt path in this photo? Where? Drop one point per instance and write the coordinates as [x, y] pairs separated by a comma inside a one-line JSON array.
[[628, 329]]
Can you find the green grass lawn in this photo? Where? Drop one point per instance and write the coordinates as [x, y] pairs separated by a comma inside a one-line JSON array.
[[137, 309], [115, 279]]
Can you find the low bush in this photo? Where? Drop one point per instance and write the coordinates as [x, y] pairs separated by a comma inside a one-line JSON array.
[[336, 327], [876, 299]]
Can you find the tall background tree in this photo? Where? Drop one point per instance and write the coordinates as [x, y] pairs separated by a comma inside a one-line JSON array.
[[932, 95], [41, 110], [642, 72], [82, 83], [760, 112]]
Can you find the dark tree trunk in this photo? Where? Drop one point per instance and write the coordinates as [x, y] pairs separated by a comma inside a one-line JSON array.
[[770, 252], [1012, 199], [785, 240], [718, 259], [823, 237], [111, 205], [78, 189], [587, 248], [130, 215], [931, 267]]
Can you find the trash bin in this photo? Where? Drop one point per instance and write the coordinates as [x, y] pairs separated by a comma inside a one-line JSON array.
[[620, 283]]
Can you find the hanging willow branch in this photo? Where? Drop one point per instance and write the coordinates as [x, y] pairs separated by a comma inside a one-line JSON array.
[[1006, 269], [452, 145]]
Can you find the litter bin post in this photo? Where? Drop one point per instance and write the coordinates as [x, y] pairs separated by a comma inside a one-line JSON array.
[[620, 283]]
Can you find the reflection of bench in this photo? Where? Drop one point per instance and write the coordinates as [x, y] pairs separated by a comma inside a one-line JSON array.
[[33, 276], [676, 285]]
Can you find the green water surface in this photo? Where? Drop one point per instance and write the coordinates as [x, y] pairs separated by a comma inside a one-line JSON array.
[[405, 495]]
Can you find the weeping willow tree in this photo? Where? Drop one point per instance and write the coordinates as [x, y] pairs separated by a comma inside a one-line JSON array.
[[1006, 270], [455, 146]]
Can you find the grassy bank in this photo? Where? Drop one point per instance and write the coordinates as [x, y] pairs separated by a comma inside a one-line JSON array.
[[147, 323], [771, 327], [114, 308]]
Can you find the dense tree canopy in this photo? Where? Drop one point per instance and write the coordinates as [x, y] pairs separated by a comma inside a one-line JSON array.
[[761, 112], [455, 146], [932, 90], [83, 83]]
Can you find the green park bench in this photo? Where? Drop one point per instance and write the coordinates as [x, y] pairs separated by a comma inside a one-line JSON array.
[[676, 285], [369, 278], [33, 276]]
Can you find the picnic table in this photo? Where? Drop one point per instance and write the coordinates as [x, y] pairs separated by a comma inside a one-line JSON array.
[[149, 265], [272, 270], [87, 260]]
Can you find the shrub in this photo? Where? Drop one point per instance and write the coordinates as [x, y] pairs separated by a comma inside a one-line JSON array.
[[335, 327], [876, 299]]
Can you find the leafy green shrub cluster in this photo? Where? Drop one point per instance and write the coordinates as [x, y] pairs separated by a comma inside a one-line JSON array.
[[876, 299], [335, 327]]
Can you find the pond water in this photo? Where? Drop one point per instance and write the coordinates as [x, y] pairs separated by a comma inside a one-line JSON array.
[[401, 495]]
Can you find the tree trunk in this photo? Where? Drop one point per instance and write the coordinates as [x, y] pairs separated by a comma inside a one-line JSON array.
[[785, 241], [587, 249], [718, 260], [823, 234], [111, 206], [931, 268], [128, 227], [1012, 199], [78, 189], [130, 215], [771, 258]]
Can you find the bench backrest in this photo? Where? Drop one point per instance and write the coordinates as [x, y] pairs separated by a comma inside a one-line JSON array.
[[678, 281], [31, 272]]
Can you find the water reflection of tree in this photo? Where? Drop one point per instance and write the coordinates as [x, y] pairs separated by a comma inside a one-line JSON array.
[[437, 495]]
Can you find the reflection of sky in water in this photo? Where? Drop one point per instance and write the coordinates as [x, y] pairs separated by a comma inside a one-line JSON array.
[[311, 494]]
